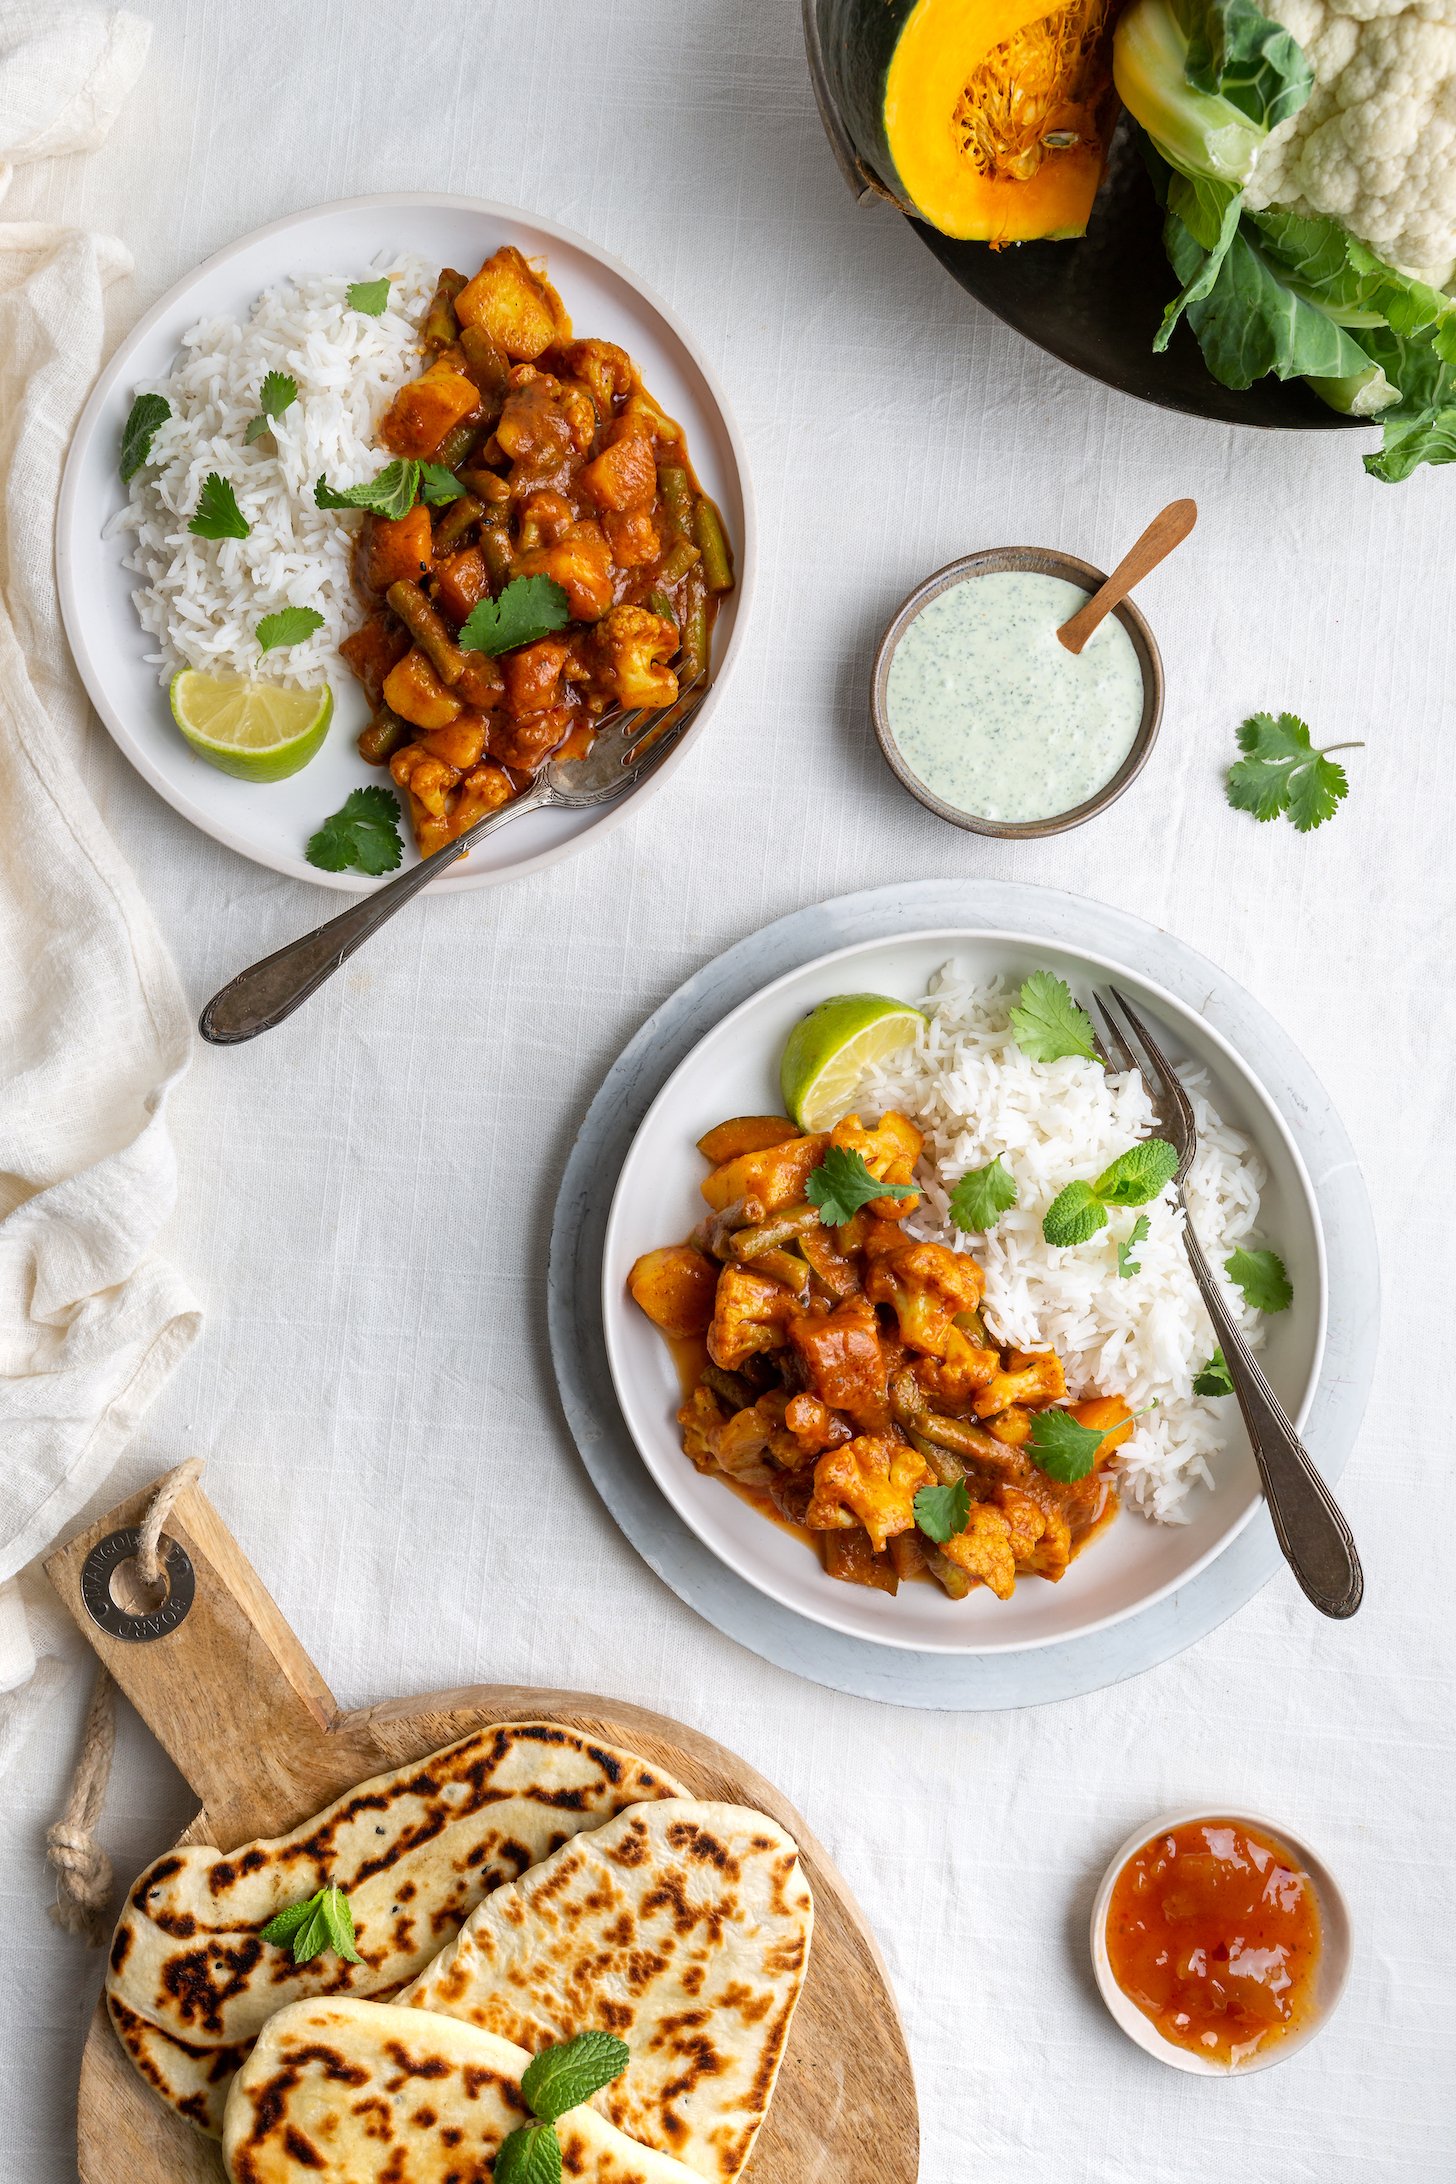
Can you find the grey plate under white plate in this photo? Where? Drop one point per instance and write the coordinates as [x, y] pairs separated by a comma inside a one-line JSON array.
[[968, 1682]]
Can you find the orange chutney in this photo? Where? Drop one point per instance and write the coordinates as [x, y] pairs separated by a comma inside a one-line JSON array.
[[1214, 1933]]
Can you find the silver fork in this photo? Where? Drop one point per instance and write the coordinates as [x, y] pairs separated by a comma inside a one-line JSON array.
[[622, 756], [1313, 1535]]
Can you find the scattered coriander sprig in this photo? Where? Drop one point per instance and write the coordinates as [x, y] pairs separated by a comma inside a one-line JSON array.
[[278, 393], [289, 626], [362, 835], [1127, 1265], [1047, 1023], [319, 1922], [943, 1511], [1141, 1173], [1282, 772], [554, 2081], [148, 412], [528, 608], [981, 1197], [370, 297], [1262, 1277], [1062, 1447], [218, 514], [842, 1183], [392, 493], [1215, 1378]]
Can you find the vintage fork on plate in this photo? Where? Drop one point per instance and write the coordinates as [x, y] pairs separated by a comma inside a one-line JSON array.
[[624, 752], [1311, 1531]]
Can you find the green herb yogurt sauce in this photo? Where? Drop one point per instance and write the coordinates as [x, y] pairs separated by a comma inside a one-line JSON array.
[[999, 719]]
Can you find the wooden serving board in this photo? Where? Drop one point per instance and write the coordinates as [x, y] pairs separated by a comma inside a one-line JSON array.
[[236, 1702]]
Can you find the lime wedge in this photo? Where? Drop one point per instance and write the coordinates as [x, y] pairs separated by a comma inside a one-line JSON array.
[[254, 730], [828, 1053]]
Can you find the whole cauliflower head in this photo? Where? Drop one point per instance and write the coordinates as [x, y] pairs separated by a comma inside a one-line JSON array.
[[1374, 145]]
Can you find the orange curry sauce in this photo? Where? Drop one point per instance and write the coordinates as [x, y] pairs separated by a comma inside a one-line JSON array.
[[1215, 1934]]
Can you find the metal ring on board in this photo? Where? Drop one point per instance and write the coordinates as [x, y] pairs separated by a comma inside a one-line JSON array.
[[96, 1575]]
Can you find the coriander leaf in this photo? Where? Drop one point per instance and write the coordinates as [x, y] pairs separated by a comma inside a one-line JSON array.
[[1214, 1378], [942, 1511], [438, 485], [1062, 1447], [563, 2077], [148, 411], [531, 2155], [323, 1921], [1282, 772], [1047, 1023], [288, 627], [1262, 1277], [980, 1198], [1074, 1216], [283, 1925], [1138, 1174], [370, 297], [528, 608], [1138, 1234], [277, 393], [391, 494], [218, 514], [842, 1183], [362, 835]]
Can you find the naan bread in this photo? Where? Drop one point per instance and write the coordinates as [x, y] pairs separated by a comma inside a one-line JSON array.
[[682, 1927], [191, 1983], [364, 2093]]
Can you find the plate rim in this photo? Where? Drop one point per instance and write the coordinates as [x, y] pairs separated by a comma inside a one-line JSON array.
[[91, 416], [665, 1478], [940, 1682]]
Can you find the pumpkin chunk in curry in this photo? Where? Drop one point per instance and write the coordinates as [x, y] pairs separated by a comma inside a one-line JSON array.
[[564, 468], [833, 1371]]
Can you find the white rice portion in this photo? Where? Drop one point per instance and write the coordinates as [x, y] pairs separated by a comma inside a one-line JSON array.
[[202, 599], [973, 1092]]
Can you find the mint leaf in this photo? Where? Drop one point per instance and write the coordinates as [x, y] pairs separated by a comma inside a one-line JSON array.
[[277, 393], [842, 1183], [362, 835], [942, 1511], [980, 1198], [392, 493], [1262, 1277], [148, 411], [218, 514], [1214, 1378], [438, 485], [1062, 1447], [1138, 1234], [289, 626], [1138, 1174], [528, 608], [1047, 1023], [563, 2077], [370, 297], [322, 1921], [1074, 1216], [1282, 772], [531, 2155]]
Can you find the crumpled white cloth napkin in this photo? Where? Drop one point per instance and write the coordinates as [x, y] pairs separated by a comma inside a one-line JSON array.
[[94, 1028]]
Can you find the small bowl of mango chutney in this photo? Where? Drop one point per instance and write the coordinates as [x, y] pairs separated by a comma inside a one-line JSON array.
[[986, 718], [1220, 1943]]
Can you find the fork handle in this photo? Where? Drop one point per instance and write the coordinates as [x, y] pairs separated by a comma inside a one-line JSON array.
[[1315, 1540], [261, 996]]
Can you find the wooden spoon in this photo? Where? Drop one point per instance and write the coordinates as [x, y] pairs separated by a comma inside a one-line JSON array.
[[1164, 533]]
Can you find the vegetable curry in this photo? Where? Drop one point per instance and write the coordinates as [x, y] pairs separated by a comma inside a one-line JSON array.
[[549, 460], [847, 1367]]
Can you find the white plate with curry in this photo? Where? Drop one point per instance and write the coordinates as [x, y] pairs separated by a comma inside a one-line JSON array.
[[270, 822], [1128, 1563]]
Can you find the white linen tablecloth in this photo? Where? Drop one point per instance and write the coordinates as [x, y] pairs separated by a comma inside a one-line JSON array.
[[366, 1194]]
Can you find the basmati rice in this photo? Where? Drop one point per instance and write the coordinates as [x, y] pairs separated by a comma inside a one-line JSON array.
[[1145, 1336]]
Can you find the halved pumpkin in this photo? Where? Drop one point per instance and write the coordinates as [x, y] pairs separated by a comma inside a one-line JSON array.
[[988, 118]]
